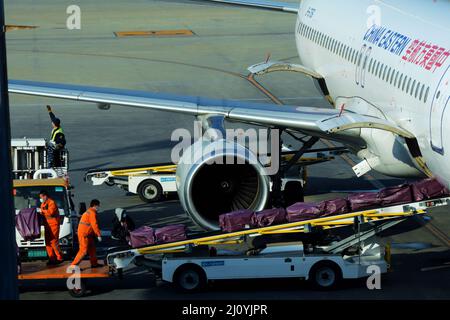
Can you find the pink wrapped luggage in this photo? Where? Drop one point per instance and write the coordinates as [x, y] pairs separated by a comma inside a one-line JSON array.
[[334, 207], [171, 233], [303, 211], [237, 220], [269, 217], [141, 237], [428, 189], [28, 224], [395, 195], [363, 200]]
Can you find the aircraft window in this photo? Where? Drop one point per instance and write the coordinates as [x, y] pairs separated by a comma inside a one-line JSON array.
[[392, 76], [370, 65], [400, 81], [321, 40], [316, 34], [405, 79], [347, 51], [327, 42], [421, 92], [354, 56], [342, 51], [396, 78], [409, 85], [413, 87], [416, 94], [426, 94], [386, 74], [333, 45], [380, 74], [302, 30]]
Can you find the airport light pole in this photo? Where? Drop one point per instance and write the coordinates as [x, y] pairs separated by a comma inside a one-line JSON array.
[[8, 253]]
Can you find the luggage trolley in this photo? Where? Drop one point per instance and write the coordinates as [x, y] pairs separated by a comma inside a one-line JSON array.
[[191, 263]]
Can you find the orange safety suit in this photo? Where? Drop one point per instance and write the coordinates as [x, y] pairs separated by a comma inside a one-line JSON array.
[[50, 211], [87, 230]]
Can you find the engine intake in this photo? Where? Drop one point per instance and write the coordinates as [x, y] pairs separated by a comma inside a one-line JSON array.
[[218, 177]]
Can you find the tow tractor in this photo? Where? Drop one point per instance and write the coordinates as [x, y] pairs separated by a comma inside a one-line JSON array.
[[154, 182], [313, 253]]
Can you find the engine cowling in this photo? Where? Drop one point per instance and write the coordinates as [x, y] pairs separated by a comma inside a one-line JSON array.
[[219, 177]]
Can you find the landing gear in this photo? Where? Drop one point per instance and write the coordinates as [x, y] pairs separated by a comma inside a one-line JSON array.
[[293, 192]]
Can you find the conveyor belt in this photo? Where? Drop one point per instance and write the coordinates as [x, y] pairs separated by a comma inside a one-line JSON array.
[[402, 211]]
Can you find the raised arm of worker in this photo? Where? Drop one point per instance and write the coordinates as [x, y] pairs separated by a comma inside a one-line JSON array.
[[52, 115]]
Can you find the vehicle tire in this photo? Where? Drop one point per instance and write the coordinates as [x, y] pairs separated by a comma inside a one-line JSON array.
[[109, 183], [190, 278], [325, 275], [78, 293], [150, 191]]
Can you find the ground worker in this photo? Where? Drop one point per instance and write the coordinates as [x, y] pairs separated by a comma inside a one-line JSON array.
[[87, 230], [50, 212], [57, 141]]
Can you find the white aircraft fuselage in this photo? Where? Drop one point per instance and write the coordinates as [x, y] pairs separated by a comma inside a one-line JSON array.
[[393, 58]]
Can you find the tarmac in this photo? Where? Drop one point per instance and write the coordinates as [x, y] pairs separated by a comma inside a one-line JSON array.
[[212, 62]]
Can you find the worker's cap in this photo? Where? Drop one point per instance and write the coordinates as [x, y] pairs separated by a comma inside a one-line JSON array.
[[57, 122]]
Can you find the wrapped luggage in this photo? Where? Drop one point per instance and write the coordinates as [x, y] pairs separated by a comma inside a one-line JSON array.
[[141, 237], [395, 195], [363, 200], [427, 189], [334, 207], [170, 233], [269, 217], [28, 224], [236, 220], [303, 211]]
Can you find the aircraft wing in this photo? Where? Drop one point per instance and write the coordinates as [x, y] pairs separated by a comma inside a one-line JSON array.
[[328, 123], [271, 5], [304, 119]]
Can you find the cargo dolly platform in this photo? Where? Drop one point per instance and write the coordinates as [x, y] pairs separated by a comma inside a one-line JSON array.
[[184, 261], [40, 271]]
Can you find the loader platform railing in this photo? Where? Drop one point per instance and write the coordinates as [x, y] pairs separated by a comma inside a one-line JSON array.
[[397, 212]]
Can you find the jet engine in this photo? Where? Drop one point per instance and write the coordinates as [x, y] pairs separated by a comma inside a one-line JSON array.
[[219, 177]]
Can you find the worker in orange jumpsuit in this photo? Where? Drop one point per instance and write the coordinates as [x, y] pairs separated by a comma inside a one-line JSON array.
[[87, 230], [51, 221]]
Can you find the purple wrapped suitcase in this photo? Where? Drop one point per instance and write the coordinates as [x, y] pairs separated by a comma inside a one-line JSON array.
[[171, 233], [235, 221], [143, 236], [427, 189], [303, 211], [334, 207], [363, 200], [28, 224], [269, 217], [395, 195]]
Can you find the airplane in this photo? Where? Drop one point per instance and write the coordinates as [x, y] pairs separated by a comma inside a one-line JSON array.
[[382, 64]]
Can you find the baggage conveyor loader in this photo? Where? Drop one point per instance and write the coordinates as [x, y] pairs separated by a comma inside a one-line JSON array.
[[191, 263]]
